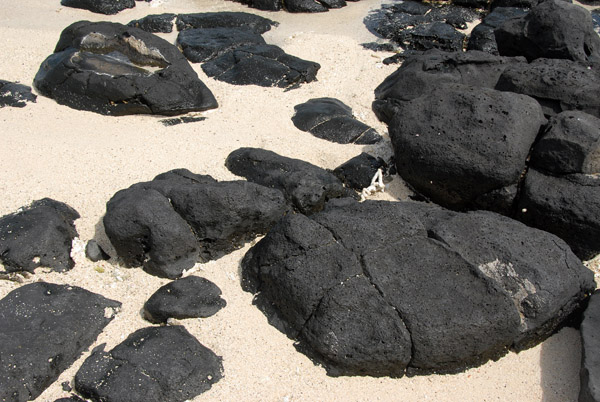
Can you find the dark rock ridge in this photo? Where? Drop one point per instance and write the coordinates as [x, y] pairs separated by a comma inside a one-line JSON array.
[[155, 23], [190, 297], [168, 224], [43, 329], [204, 44], [419, 26], [306, 186], [557, 84], [358, 172], [153, 364], [553, 29], [38, 235], [380, 288], [113, 69], [332, 120], [15, 95], [108, 7], [263, 65], [225, 19], [590, 351]]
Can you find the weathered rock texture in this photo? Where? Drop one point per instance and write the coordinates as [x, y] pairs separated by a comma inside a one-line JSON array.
[[332, 120], [39, 235], [43, 329], [153, 364], [225, 19], [100, 6], [155, 23], [378, 288], [306, 186], [15, 95], [180, 218], [204, 44], [114, 69]]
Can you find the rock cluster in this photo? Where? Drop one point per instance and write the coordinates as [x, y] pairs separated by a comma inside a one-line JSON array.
[[379, 288]]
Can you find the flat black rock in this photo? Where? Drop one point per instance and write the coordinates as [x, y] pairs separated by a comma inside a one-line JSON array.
[[306, 186], [567, 206], [332, 120], [190, 297], [114, 69], [358, 172], [43, 329], [108, 7], [204, 44], [473, 141], [225, 19], [557, 84], [262, 65], [39, 235], [168, 224], [553, 29], [155, 23], [153, 364], [15, 95], [380, 288], [295, 6], [570, 144], [590, 352]]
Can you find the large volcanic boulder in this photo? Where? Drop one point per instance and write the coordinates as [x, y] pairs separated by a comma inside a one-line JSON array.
[[558, 85], [39, 235], [332, 120], [553, 29], [590, 351], [153, 364], [378, 288], [460, 143], [114, 69], [263, 65], [482, 36], [179, 218], [100, 6], [15, 95], [306, 186], [184, 298], [424, 73], [43, 329]]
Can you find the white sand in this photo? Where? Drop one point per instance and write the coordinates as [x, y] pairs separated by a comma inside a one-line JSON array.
[[82, 158]]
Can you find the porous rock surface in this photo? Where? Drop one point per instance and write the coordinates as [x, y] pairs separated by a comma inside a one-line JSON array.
[[482, 36], [113, 69], [332, 120], [44, 328], [307, 187], [168, 224], [155, 23], [38, 235], [380, 288], [108, 7], [152, 364], [358, 172], [190, 297], [14, 94], [225, 19], [552, 29]]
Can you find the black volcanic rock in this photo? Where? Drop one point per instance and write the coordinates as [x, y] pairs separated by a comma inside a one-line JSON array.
[[332, 120], [204, 44], [15, 95], [473, 141], [263, 65], [358, 172], [153, 364], [38, 235], [482, 36], [108, 7], [43, 329], [155, 23], [553, 29], [590, 352], [306, 186], [189, 297], [557, 84], [113, 69], [226, 19], [179, 218], [380, 288]]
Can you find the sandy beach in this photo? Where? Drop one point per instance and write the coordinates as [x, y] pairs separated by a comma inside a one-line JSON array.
[[82, 159]]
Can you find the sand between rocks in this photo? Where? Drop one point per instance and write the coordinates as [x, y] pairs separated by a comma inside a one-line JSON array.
[[82, 158]]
